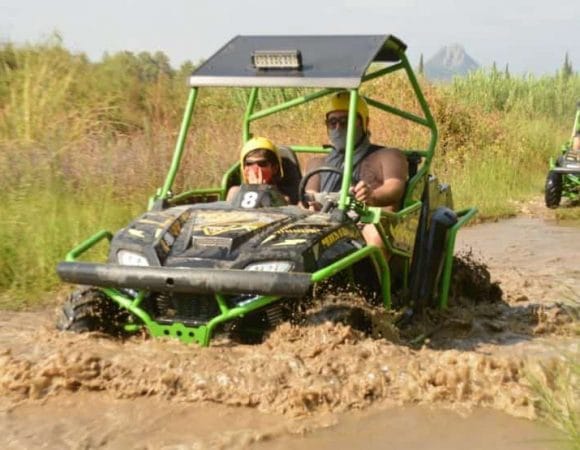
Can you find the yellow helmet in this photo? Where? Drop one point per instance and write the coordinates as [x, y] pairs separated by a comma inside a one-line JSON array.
[[260, 143], [340, 101]]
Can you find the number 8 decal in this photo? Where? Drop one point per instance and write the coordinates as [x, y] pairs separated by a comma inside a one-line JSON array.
[[249, 200]]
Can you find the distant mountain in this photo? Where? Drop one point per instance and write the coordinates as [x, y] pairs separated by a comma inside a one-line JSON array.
[[448, 62]]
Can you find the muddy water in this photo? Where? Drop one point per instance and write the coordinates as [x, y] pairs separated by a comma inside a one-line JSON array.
[[442, 381]]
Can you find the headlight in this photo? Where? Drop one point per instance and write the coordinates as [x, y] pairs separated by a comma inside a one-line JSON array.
[[270, 266], [127, 258]]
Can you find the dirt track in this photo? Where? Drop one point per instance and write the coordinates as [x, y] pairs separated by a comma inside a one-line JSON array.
[[313, 387]]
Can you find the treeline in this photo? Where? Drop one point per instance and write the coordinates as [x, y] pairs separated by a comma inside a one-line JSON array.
[[48, 94]]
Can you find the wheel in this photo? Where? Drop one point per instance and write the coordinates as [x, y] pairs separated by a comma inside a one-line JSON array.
[[353, 316], [90, 310], [329, 198], [553, 190]]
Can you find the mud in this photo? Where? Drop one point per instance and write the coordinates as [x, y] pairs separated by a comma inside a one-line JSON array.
[[440, 378]]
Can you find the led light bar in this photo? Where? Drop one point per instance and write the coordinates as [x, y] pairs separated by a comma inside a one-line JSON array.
[[277, 59]]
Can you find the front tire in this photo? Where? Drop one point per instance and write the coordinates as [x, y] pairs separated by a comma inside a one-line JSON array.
[[353, 316], [88, 310], [553, 190]]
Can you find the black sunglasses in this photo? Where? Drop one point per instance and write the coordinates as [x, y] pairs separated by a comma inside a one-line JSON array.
[[259, 162], [334, 121]]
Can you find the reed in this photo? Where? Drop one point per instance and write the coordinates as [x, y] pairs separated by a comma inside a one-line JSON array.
[[556, 385]]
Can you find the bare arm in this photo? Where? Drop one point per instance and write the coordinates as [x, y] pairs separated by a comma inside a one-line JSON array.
[[389, 193], [388, 186], [232, 193]]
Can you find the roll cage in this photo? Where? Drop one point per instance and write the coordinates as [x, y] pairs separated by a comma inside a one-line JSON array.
[[327, 64]]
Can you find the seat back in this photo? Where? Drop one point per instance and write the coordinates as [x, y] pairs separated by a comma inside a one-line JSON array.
[[292, 174], [414, 160]]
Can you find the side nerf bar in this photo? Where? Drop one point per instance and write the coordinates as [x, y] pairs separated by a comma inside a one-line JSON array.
[[185, 280], [566, 170]]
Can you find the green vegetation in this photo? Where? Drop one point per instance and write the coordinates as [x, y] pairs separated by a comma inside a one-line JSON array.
[[84, 144], [555, 384], [556, 387]]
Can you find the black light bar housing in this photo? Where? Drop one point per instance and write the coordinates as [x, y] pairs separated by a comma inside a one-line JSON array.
[[277, 59]]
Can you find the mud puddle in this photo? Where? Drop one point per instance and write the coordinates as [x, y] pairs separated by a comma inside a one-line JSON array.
[[86, 420], [315, 386], [419, 428]]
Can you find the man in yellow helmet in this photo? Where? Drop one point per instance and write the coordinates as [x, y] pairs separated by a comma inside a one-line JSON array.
[[260, 163], [379, 173]]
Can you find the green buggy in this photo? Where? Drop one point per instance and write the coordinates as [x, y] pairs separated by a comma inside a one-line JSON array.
[[563, 179], [193, 265]]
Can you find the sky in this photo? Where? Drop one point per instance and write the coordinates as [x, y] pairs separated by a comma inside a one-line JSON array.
[[532, 36]]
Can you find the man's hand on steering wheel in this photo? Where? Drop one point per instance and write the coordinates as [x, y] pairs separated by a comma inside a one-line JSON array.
[[362, 192], [326, 201]]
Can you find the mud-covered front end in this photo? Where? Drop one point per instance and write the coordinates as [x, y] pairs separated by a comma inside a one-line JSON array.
[[186, 270]]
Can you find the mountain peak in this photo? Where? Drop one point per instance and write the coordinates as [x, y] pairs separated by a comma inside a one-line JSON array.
[[449, 61]]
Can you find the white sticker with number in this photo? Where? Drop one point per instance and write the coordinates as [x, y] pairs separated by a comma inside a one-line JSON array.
[[249, 200]]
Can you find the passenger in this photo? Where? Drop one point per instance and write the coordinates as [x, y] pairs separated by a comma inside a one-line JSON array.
[[379, 173], [260, 163]]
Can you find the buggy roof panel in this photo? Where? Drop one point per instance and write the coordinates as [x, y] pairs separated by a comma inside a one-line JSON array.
[[327, 61]]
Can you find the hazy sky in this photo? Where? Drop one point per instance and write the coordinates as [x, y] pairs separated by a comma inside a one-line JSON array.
[[530, 35]]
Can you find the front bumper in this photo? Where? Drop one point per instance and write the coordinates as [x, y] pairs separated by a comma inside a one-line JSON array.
[[185, 280]]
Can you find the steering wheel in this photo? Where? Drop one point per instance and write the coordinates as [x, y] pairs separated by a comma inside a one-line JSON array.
[[326, 199]]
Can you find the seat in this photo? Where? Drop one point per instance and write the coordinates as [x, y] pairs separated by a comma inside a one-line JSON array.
[[292, 174]]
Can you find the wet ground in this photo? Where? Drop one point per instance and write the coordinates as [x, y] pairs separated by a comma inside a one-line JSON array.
[[453, 380]]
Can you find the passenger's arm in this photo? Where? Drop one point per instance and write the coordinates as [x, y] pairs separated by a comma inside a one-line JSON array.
[[232, 193]]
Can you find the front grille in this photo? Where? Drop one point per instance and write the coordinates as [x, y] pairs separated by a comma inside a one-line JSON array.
[[211, 241], [275, 314], [184, 308]]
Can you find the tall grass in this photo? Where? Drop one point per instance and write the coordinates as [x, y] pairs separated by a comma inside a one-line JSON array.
[[40, 102], [498, 167], [82, 144], [527, 96], [556, 385], [38, 225]]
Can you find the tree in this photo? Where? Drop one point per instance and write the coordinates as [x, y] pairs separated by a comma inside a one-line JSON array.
[[567, 69], [185, 70], [507, 70], [152, 66], [421, 68]]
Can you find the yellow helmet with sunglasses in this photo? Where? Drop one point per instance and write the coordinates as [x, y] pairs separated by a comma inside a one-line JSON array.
[[260, 143], [340, 101]]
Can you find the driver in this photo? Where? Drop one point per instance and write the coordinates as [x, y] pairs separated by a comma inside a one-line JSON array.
[[260, 163], [379, 173]]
